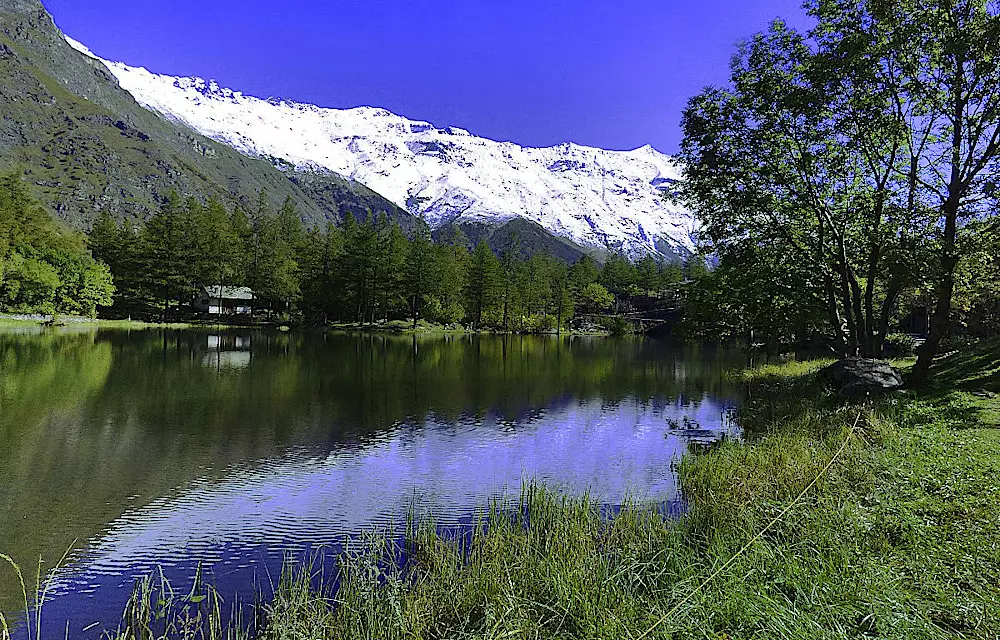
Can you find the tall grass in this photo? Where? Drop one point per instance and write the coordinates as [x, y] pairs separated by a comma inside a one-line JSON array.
[[33, 607], [155, 610], [838, 564], [877, 547]]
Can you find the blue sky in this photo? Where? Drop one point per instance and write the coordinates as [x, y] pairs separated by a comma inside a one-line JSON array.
[[613, 74]]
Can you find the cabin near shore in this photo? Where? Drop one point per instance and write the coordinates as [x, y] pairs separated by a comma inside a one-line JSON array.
[[220, 300]]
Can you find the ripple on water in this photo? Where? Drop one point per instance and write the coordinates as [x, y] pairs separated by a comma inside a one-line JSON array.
[[243, 519]]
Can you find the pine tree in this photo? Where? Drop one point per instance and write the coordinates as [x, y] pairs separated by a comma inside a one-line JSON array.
[[285, 241], [507, 287], [453, 262], [359, 266], [164, 254], [563, 297], [321, 254], [583, 272], [421, 272], [271, 244], [672, 274], [618, 275], [242, 232], [114, 245], [648, 272], [394, 247], [484, 283], [220, 246]]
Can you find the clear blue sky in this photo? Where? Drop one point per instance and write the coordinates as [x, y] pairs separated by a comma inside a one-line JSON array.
[[607, 73]]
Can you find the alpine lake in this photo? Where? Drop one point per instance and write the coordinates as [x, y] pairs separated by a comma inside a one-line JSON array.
[[164, 450]]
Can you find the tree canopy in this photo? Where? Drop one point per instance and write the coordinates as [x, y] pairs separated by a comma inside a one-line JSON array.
[[43, 267], [842, 166]]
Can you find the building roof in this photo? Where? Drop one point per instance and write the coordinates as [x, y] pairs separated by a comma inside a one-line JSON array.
[[229, 293]]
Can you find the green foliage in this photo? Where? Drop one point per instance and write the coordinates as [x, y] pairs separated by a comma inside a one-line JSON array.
[[484, 284], [901, 344], [616, 326], [618, 275], [842, 167], [43, 268], [977, 287], [583, 272], [595, 298]]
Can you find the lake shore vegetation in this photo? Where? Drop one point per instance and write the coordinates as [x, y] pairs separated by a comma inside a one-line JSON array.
[[849, 167], [896, 538], [829, 519], [364, 272], [43, 267]]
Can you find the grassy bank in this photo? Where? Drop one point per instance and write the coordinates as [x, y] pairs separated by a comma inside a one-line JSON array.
[[896, 535], [431, 328], [74, 321], [899, 538]]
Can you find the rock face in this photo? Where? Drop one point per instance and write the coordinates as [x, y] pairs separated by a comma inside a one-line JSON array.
[[83, 144], [599, 199], [856, 377]]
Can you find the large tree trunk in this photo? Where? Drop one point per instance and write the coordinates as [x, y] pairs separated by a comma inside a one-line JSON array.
[[945, 290], [892, 293], [949, 254], [833, 311], [845, 300]]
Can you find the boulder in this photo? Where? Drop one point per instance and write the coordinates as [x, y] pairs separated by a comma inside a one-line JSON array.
[[856, 377]]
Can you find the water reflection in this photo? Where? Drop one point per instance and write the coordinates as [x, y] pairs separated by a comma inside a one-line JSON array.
[[153, 448], [228, 351]]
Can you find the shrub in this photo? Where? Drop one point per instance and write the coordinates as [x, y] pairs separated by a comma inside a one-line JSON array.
[[901, 344], [617, 326]]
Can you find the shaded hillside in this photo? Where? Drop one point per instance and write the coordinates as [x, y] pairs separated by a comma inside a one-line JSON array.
[[339, 196], [522, 237], [84, 144]]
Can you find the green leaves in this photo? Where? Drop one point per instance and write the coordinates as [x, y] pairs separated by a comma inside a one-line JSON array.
[[43, 268], [833, 154]]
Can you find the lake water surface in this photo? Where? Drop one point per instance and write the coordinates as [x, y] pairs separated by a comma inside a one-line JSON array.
[[158, 449]]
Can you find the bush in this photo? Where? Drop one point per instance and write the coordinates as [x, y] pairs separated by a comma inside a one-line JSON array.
[[442, 313], [617, 326], [900, 344]]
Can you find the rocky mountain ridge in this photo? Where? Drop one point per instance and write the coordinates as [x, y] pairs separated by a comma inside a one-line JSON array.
[[599, 199], [84, 144]]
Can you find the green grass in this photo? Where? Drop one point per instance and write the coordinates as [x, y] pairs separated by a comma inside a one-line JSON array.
[[969, 381], [897, 538], [96, 322]]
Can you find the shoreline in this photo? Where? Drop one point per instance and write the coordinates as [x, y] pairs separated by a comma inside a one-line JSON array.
[[393, 328], [833, 519]]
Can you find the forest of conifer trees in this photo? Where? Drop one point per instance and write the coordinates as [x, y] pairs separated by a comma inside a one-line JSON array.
[[364, 271]]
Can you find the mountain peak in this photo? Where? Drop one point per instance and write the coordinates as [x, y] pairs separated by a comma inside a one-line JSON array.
[[605, 200], [24, 7]]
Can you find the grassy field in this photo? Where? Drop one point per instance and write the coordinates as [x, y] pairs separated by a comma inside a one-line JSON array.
[[72, 321], [898, 539], [876, 520]]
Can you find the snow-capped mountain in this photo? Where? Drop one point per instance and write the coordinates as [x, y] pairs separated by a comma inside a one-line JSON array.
[[596, 198]]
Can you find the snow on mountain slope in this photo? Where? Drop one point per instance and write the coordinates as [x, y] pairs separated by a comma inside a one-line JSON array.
[[597, 198]]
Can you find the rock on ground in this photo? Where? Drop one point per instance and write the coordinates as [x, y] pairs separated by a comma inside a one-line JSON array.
[[856, 377]]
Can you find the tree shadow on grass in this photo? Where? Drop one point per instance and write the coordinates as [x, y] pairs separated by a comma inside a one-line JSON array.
[[966, 385]]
